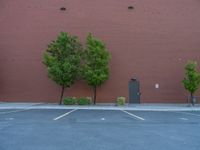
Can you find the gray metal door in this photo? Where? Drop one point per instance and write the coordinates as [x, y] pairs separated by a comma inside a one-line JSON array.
[[134, 91]]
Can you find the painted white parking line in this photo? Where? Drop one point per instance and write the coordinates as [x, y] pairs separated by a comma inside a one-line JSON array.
[[187, 113], [102, 118], [133, 115], [14, 111], [9, 118], [183, 118], [65, 114]]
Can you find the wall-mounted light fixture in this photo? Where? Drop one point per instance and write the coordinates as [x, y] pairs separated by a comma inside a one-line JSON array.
[[157, 86]]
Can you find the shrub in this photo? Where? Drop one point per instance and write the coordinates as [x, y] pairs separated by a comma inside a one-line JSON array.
[[121, 101], [70, 101], [84, 101]]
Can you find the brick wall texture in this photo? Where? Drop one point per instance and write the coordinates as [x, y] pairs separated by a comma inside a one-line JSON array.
[[151, 42]]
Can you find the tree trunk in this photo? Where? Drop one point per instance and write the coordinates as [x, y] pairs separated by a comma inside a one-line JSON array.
[[94, 94], [191, 98], [61, 96]]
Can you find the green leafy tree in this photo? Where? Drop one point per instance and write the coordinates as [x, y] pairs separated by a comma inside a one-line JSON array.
[[62, 59], [95, 70], [192, 79]]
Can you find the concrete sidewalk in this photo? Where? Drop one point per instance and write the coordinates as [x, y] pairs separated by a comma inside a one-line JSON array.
[[138, 107]]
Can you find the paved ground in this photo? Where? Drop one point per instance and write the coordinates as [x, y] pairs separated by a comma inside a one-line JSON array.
[[85, 129]]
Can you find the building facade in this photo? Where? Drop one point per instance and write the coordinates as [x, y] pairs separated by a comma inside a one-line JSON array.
[[148, 40]]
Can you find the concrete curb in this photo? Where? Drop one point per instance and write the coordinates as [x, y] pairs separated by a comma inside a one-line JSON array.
[[134, 107]]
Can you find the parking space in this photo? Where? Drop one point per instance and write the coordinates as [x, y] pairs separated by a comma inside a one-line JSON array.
[[173, 117], [99, 116], [56, 129], [192, 113]]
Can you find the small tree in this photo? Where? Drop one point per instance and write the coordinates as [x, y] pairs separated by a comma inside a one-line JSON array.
[[95, 68], [192, 80], [62, 59]]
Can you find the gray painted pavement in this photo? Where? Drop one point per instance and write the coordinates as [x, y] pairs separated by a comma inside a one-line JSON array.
[[37, 129]]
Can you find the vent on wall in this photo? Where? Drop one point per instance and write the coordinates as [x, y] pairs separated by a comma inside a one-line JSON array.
[[130, 7], [62, 8]]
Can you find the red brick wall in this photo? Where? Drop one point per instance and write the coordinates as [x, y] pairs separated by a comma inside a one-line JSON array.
[[151, 42]]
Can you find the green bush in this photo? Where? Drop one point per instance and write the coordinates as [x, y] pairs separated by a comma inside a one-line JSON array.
[[84, 101], [121, 101], [70, 101]]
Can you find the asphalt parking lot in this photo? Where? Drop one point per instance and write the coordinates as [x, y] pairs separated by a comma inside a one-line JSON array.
[[54, 129]]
